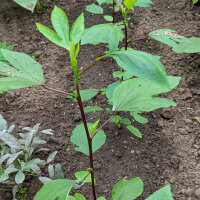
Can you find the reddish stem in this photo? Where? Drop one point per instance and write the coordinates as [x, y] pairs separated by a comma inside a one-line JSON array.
[[106, 122], [88, 138], [126, 36], [58, 91]]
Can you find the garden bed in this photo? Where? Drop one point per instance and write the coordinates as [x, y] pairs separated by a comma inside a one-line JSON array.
[[168, 153]]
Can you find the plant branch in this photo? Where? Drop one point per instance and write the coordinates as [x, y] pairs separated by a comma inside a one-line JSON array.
[[58, 91], [88, 138], [90, 66], [126, 36], [106, 122]]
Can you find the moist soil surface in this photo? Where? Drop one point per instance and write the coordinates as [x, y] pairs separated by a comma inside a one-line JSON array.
[[168, 153]]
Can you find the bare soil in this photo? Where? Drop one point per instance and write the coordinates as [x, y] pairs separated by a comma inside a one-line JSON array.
[[168, 153]]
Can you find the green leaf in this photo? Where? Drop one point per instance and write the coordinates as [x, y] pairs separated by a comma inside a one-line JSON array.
[[25, 72], [19, 177], [3, 177], [101, 198], [101, 1], [142, 65], [134, 130], [126, 75], [108, 18], [125, 121], [51, 156], [82, 174], [116, 119], [79, 196], [3, 45], [95, 9], [79, 139], [28, 4], [143, 3], [129, 3], [128, 189], [110, 89], [137, 94], [88, 109], [179, 43], [77, 29], [195, 1], [162, 194], [58, 171], [87, 94], [104, 33], [3, 124], [139, 118], [55, 190]]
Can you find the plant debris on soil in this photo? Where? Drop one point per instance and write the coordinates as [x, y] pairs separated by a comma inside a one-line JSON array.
[[168, 153]]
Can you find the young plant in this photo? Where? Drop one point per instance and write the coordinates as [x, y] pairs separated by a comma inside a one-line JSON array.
[[134, 95], [17, 156]]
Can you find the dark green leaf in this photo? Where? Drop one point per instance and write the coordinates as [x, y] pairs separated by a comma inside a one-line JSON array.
[[126, 75], [104, 33], [55, 190], [25, 72], [162, 194], [82, 174], [93, 8], [110, 89], [79, 139], [139, 118], [127, 189], [137, 94], [134, 130], [125, 121], [87, 94], [142, 65], [116, 119]]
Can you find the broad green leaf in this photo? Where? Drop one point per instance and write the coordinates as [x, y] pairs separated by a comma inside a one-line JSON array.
[[87, 94], [77, 29], [137, 94], [88, 109], [82, 174], [104, 33], [143, 3], [79, 139], [178, 43], [134, 130], [3, 45], [10, 140], [44, 179], [55, 190], [142, 65], [128, 189], [19, 177], [10, 170], [162, 194], [101, 1], [95, 9], [3, 124], [25, 72], [139, 118], [129, 3], [116, 119], [28, 4], [108, 18]]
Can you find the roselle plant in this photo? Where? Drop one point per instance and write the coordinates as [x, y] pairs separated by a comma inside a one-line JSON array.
[[134, 95]]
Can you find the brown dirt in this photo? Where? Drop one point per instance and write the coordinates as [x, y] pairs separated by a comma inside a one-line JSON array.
[[169, 152]]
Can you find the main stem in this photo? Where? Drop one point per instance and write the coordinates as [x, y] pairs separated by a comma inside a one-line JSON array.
[[88, 138], [126, 36]]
